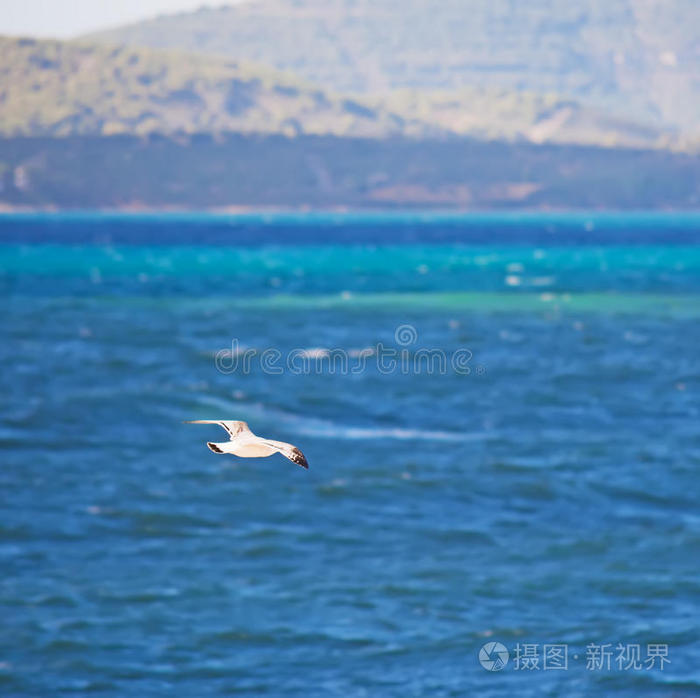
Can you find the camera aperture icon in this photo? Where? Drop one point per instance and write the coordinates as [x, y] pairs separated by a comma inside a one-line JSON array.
[[493, 656]]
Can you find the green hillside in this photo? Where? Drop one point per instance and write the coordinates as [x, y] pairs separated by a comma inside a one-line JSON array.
[[635, 59], [497, 114], [66, 88]]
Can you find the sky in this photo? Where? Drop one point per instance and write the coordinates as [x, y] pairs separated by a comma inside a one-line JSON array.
[[69, 18]]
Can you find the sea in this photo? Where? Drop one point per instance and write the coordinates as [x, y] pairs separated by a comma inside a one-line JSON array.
[[501, 413]]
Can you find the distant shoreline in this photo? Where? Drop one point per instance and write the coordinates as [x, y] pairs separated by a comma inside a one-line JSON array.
[[240, 175], [397, 214]]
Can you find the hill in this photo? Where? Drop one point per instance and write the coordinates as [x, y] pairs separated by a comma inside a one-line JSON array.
[[263, 171], [636, 60], [67, 88]]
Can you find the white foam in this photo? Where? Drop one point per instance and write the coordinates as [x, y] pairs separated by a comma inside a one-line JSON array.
[[322, 428]]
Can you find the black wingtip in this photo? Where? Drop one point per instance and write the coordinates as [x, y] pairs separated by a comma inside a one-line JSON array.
[[214, 447], [299, 458]]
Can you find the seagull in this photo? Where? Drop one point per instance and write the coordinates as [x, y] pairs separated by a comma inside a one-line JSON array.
[[244, 444]]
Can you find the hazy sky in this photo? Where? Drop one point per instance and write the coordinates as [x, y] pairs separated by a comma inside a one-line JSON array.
[[65, 18]]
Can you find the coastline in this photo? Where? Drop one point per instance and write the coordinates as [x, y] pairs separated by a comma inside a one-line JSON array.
[[393, 214]]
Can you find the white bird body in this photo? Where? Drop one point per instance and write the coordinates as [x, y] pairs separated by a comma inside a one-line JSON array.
[[244, 444]]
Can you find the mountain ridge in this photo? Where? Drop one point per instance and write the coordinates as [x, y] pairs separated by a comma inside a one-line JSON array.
[[49, 87], [637, 60]]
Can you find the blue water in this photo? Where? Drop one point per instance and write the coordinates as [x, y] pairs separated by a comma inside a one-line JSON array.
[[545, 493]]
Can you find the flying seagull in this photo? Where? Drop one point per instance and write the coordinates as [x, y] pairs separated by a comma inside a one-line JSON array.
[[245, 444]]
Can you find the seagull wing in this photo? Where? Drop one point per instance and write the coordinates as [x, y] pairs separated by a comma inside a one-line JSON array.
[[233, 428], [288, 451]]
